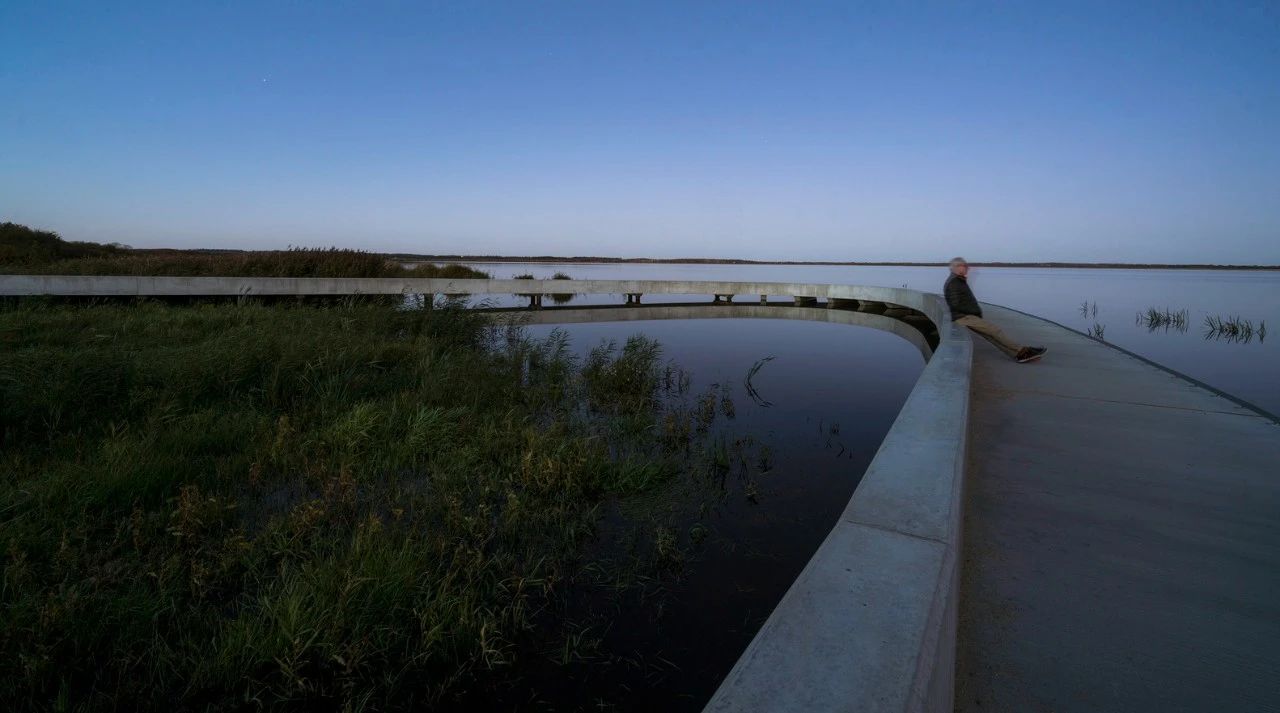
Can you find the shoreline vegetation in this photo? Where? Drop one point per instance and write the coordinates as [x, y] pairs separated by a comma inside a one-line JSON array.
[[354, 506], [346, 505], [28, 251], [550, 259]]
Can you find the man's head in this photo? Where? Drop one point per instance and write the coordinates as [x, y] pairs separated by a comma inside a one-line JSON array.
[[959, 266]]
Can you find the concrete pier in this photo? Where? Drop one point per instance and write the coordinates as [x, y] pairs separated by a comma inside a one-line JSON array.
[[1122, 536]]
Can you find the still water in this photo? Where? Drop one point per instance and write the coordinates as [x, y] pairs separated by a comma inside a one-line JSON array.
[[1248, 370], [820, 408], [814, 415]]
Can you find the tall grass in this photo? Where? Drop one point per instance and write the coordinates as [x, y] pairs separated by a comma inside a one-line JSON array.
[[27, 251], [355, 507]]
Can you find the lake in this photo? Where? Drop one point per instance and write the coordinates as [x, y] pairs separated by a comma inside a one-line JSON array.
[[804, 428], [820, 406], [1248, 370]]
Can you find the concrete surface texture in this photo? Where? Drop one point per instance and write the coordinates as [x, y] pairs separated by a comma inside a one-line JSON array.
[[1122, 537]]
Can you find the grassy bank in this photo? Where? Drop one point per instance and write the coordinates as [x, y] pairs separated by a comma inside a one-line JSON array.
[[348, 508], [36, 252]]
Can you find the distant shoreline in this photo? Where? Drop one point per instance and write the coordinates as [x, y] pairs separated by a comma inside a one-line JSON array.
[[549, 259]]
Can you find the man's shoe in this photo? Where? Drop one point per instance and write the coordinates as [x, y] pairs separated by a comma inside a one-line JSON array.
[[1030, 354]]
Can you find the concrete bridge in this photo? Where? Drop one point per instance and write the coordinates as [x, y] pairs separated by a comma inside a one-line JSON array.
[[1088, 533]]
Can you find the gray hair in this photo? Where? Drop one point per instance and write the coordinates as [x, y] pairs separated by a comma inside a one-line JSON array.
[[956, 261]]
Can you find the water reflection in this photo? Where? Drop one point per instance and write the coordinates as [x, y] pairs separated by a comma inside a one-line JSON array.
[[825, 395], [1163, 320], [1233, 330]]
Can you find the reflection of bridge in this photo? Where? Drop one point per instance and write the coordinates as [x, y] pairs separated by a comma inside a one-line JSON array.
[[920, 333], [1122, 543]]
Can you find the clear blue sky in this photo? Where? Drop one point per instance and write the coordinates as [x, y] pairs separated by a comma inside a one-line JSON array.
[[848, 131]]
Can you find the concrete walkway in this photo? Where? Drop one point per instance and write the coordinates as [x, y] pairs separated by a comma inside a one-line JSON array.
[[1121, 537]]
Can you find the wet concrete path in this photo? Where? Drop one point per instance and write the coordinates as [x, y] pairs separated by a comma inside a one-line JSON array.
[[1121, 537]]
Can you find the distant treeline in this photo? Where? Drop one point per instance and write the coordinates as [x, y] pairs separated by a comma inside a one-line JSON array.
[[25, 250], [406, 257]]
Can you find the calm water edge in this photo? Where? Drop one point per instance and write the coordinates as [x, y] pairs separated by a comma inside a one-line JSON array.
[[820, 409], [1248, 370], [823, 405]]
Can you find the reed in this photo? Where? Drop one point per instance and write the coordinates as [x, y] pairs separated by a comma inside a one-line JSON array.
[[750, 386], [1233, 329], [343, 507], [562, 298], [1165, 319]]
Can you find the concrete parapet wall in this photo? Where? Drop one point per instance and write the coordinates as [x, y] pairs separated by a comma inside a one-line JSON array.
[[91, 285], [870, 623]]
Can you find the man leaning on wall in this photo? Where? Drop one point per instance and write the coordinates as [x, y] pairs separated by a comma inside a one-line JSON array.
[[965, 311]]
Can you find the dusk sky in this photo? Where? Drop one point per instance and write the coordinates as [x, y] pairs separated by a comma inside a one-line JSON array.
[[1144, 132]]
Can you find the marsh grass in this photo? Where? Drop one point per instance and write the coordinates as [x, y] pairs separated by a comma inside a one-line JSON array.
[[351, 507], [1166, 319], [562, 298], [1098, 331], [1234, 329], [749, 383], [27, 251]]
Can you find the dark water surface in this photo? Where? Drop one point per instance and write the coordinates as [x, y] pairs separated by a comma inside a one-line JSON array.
[[824, 403], [833, 392], [1248, 370]]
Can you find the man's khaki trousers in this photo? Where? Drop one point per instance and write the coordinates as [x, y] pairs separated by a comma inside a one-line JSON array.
[[993, 334]]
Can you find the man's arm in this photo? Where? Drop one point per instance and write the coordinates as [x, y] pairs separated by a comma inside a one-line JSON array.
[[954, 292]]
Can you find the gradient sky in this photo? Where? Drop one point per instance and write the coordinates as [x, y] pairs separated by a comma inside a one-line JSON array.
[[831, 131]]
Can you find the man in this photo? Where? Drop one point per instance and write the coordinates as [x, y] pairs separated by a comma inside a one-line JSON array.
[[965, 310]]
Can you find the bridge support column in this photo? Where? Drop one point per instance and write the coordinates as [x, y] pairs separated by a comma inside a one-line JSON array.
[[727, 299], [633, 298], [802, 301], [764, 299], [535, 301]]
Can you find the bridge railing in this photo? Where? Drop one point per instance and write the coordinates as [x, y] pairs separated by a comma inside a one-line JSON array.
[[870, 623]]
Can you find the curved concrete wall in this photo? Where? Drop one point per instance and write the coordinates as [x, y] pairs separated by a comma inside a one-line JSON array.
[[870, 623], [86, 285]]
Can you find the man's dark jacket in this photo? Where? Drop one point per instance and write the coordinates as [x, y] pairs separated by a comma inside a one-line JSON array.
[[960, 298]]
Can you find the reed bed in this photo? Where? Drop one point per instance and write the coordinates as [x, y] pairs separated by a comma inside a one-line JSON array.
[[352, 507]]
